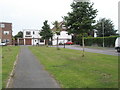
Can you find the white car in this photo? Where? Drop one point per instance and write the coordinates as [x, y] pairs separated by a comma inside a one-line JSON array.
[[117, 44], [2, 44]]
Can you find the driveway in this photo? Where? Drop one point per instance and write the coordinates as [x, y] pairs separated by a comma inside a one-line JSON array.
[[29, 73], [107, 51]]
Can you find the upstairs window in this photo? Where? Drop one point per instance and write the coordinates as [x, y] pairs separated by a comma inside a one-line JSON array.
[[6, 32], [2, 25], [33, 32], [28, 33]]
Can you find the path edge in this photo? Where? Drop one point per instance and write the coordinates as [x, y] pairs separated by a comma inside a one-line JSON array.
[[11, 75]]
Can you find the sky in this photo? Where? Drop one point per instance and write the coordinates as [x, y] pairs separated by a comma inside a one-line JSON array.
[[30, 14]]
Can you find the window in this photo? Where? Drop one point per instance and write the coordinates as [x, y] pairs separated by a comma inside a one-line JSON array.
[[68, 39], [6, 32], [41, 40], [6, 40], [2, 25], [63, 27], [28, 33], [33, 32]]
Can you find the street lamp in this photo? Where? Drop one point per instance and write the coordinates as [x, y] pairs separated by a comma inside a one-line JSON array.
[[103, 32], [64, 43]]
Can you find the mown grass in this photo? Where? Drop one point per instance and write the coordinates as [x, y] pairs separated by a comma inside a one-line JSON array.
[[9, 54], [73, 71]]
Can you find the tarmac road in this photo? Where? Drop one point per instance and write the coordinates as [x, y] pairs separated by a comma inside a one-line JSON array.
[[107, 51], [29, 73]]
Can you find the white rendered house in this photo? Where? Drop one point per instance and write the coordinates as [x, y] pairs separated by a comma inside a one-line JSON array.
[[31, 37], [62, 38]]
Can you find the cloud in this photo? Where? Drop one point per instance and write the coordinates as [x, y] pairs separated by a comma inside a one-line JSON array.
[[32, 13]]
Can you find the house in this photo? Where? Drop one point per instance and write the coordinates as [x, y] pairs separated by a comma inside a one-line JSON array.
[[6, 33], [63, 37], [31, 37]]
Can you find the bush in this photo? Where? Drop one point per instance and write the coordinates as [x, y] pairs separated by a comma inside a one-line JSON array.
[[89, 41]]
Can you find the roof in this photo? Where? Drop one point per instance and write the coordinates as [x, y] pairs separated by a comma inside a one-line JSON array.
[[60, 25], [31, 30], [5, 23]]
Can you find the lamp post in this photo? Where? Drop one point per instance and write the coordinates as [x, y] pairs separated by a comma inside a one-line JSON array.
[[103, 32], [64, 43]]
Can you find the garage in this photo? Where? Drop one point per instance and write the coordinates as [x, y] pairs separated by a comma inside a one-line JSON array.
[[21, 41], [28, 41]]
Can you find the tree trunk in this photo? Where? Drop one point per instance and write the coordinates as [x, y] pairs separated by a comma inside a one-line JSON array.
[[83, 54], [51, 41], [57, 44], [47, 42]]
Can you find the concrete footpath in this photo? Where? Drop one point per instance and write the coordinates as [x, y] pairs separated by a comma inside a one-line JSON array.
[[29, 73]]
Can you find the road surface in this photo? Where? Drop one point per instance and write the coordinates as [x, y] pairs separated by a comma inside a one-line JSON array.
[[107, 51]]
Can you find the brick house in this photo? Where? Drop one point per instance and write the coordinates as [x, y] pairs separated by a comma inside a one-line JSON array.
[[6, 33]]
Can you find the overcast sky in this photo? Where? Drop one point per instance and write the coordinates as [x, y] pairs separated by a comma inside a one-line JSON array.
[[30, 14]]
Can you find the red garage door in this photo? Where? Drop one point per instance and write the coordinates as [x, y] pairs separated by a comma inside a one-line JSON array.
[[28, 41]]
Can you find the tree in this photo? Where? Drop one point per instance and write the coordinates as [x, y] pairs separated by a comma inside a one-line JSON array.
[[46, 32], [57, 31], [80, 20], [108, 26], [19, 35]]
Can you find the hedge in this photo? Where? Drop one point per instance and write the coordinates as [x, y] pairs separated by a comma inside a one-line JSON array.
[[90, 41]]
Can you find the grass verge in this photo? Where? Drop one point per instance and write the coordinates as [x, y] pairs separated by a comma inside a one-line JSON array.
[[9, 54], [73, 71]]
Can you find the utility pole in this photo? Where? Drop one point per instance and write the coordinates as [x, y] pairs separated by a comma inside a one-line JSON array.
[[103, 32]]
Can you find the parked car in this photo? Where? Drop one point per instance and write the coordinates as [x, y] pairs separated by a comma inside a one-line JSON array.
[[69, 43], [3, 44], [117, 44]]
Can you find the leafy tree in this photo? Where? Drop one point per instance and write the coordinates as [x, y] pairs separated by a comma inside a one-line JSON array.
[[57, 31], [108, 26], [46, 32], [19, 35], [80, 20]]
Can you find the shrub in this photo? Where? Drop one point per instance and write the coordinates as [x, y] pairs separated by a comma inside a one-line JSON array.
[[89, 41]]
